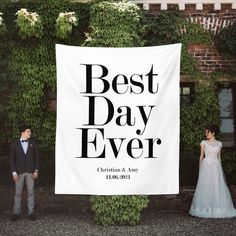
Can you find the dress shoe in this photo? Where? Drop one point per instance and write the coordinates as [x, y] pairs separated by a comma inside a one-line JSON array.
[[32, 217], [15, 217]]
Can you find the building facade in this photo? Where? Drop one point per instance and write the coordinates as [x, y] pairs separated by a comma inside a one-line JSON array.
[[213, 15]]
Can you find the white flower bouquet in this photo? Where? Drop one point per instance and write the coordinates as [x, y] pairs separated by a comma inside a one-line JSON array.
[[65, 23], [29, 24]]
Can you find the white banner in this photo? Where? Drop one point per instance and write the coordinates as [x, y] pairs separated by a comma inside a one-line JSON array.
[[117, 120]]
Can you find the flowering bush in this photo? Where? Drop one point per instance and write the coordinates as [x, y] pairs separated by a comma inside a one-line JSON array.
[[29, 24], [2, 25], [115, 24], [65, 23]]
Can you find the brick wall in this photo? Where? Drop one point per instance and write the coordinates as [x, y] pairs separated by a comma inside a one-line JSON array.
[[209, 60], [213, 18]]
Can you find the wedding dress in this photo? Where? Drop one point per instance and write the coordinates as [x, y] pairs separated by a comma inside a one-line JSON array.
[[212, 198]]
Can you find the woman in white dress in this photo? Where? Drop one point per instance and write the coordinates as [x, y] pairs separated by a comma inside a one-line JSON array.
[[212, 197]]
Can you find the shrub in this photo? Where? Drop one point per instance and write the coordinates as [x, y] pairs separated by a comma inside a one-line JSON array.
[[119, 210]]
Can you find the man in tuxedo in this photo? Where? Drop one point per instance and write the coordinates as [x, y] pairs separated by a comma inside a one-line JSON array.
[[24, 162]]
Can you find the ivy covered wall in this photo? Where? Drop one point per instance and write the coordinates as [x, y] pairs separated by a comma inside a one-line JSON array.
[[28, 74], [30, 68]]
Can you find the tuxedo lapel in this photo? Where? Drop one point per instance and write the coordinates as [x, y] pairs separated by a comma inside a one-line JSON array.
[[20, 147], [29, 146]]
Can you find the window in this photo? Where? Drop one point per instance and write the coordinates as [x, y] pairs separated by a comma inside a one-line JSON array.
[[227, 101], [186, 93]]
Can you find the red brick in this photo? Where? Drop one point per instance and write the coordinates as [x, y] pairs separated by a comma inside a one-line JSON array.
[[190, 8], [172, 6], [153, 8], [199, 54], [226, 7], [208, 7]]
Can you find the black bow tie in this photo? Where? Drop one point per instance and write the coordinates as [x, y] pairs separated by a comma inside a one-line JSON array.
[[24, 141]]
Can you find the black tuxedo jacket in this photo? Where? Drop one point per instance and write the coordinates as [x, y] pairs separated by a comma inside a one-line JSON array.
[[21, 162]]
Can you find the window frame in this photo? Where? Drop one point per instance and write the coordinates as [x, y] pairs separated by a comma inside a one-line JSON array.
[[231, 85], [191, 96]]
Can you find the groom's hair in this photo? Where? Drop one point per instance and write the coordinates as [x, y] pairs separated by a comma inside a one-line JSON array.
[[23, 128], [213, 128]]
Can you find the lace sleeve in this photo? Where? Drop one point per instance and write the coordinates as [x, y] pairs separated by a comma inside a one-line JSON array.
[[219, 156], [202, 142], [220, 144]]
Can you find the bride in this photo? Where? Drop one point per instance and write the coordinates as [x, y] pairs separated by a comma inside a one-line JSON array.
[[212, 197]]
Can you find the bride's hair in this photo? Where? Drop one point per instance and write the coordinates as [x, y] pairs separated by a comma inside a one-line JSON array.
[[213, 128]]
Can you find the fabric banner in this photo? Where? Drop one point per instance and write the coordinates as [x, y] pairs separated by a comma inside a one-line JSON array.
[[117, 120]]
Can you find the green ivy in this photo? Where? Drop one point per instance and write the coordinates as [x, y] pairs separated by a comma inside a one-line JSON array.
[[188, 64], [29, 24], [65, 23], [163, 28], [5, 88], [225, 41], [32, 74], [31, 67], [115, 24], [195, 33], [204, 111], [2, 25], [228, 160], [28, 72], [172, 26]]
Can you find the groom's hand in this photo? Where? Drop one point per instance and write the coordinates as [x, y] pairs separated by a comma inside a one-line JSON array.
[[35, 175], [15, 177]]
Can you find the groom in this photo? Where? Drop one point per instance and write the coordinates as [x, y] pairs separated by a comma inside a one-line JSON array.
[[24, 162]]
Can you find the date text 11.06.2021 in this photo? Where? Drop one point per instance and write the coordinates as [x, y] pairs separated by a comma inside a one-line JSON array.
[[117, 176]]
